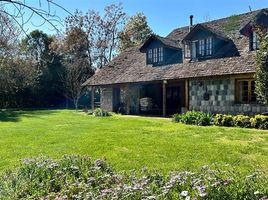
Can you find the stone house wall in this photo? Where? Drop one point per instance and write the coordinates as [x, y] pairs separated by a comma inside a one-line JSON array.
[[218, 96]]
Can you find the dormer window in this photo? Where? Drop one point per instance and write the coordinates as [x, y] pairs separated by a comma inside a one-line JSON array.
[[201, 48], [209, 46], [255, 41], [155, 55], [150, 56]]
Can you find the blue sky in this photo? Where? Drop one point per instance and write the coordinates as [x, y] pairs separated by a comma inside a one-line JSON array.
[[165, 15]]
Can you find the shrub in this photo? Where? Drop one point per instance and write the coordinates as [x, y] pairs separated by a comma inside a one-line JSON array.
[[259, 121], [78, 177], [101, 113], [242, 121], [223, 120], [195, 118]]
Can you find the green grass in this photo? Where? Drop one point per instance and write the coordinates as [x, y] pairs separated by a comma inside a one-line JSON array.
[[129, 142]]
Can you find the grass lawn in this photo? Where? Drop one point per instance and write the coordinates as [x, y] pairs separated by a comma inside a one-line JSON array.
[[129, 142]]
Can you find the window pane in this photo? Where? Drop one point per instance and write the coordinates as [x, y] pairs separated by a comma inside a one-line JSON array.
[[201, 47], [253, 98], [186, 50], [209, 46], [255, 41], [155, 55], [160, 54], [243, 91], [150, 55]]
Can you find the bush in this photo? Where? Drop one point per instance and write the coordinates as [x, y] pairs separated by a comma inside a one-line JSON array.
[[195, 118], [223, 120], [101, 113], [78, 177], [242, 121], [259, 121]]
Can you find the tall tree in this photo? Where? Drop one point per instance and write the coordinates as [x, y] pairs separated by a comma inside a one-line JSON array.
[[261, 75], [102, 32], [135, 32], [77, 68]]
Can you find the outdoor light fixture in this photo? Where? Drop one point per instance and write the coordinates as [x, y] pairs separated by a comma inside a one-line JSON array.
[[165, 81]]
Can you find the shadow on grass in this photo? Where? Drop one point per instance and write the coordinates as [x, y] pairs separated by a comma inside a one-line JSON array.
[[15, 115]]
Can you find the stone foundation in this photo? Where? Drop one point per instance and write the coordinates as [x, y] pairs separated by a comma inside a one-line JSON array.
[[218, 96]]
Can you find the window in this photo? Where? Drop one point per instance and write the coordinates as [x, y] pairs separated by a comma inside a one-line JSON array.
[[160, 54], [245, 91], [202, 47], [209, 46], [155, 55], [255, 41], [187, 50], [150, 56]]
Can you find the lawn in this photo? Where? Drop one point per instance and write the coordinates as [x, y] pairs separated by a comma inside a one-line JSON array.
[[129, 142]]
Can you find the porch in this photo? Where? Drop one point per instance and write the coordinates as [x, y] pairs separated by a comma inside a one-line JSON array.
[[160, 98]]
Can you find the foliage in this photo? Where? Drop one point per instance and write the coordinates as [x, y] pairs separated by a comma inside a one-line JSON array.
[[98, 112], [78, 177], [102, 32], [196, 118], [261, 74], [259, 121], [204, 119], [223, 120], [135, 32], [76, 66], [242, 121]]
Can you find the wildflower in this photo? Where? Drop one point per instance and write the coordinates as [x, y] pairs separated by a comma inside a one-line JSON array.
[[263, 198], [256, 192], [188, 198], [106, 191], [184, 193]]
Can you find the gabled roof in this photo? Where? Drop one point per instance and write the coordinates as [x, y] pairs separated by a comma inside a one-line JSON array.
[[261, 18], [165, 41], [130, 66], [204, 27]]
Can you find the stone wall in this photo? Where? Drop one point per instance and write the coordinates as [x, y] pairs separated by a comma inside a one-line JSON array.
[[218, 96], [106, 98]]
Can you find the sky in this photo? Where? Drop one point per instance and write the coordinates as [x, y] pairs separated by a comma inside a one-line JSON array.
[[163, 15]]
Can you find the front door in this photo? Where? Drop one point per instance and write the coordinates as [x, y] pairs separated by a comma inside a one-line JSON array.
[[173, 99]]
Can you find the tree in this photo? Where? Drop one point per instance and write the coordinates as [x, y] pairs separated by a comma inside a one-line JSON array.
[[77, 69], [47, 64], [21, 12], [261, 75], [102, 32], [135, 32]]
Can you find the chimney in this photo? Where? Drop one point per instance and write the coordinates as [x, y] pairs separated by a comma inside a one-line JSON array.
[[191, 22]]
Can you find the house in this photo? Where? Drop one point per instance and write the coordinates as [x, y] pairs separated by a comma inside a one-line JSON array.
[[205, 67]]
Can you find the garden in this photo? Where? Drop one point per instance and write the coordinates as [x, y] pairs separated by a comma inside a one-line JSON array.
[[127, 157]]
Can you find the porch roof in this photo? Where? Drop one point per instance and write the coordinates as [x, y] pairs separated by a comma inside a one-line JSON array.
[[130, 67]]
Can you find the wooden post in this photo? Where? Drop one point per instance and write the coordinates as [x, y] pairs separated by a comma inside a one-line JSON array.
[[164, 98], [127, 100], [92, 98], [187, 94]]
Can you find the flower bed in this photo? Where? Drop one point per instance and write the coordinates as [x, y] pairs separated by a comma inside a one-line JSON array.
[[76, 177], [204, 119]]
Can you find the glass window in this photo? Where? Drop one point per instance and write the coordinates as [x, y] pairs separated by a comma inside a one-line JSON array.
[[246, 91], [150, 56], [155, 55], [160, 54], [187, 52], [202, 47], [255, 41], [209, 46]]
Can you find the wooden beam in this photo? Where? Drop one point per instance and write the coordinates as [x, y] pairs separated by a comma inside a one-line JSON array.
[[92, 98], [164, 98], [127, 92], [187, 94]]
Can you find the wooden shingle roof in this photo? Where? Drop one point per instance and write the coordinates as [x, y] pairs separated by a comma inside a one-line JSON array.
[[130, 66]]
